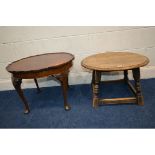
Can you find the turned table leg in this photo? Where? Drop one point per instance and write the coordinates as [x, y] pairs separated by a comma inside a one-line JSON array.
[[93, 78], [96, 77], [136, 76], [64, 83], [36, 82], [17, 85]]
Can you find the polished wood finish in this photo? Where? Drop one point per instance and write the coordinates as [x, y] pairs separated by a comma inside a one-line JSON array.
[[40, 62], [116, 61], [36, 82], [50, 64], [64, 82], [17, 85]]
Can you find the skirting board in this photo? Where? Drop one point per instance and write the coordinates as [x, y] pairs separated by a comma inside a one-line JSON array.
[[76, 78]]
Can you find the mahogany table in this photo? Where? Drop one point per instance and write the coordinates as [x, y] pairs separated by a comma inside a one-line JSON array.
[[33, 67], [116, 61]]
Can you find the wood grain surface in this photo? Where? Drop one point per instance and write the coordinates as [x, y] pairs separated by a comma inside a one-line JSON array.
[[40, 62], [114, 61]]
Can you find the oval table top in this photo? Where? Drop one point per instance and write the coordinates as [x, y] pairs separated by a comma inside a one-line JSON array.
[[40, 62], [114, 61]]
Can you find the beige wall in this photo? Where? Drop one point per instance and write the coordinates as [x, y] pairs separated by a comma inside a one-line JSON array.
[[19, 42]]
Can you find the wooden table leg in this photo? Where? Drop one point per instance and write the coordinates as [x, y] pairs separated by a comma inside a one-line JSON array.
[[126, 79], [36, 82], [17, 85], [96, 78], [93, 78], [67, 82], [136, 76], [64, 83]]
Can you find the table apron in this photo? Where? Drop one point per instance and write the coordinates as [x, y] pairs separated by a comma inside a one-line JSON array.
[[43, 73]]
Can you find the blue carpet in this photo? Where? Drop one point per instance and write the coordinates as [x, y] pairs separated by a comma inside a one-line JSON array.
[[47, 108]]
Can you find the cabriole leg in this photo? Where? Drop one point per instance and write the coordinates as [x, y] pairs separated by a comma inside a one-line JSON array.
[[36, 82], [64, 83], [17, 85]]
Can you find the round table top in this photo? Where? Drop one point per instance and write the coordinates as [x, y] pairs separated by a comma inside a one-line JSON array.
[[114, 61], [40, 62]]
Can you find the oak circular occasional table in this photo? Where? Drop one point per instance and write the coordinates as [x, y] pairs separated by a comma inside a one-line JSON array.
[[116, 61], [33, 67]]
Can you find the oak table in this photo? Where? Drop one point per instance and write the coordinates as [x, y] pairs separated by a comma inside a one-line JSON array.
[[116, 61], [33, 67]]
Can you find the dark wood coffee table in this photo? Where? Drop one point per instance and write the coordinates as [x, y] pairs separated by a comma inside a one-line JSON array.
[[116, 61], [33, 67]]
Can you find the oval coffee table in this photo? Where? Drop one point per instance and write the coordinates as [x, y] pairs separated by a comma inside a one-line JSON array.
[[116, 61], [33, 67]]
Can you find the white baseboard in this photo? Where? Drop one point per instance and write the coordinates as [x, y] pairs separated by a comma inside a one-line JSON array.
[[76, 78]]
